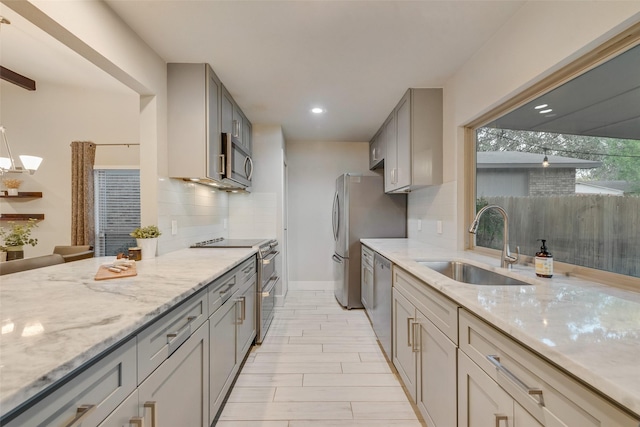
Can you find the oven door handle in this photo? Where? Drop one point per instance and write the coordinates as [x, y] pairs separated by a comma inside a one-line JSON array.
[[267, 292], [270, 258]]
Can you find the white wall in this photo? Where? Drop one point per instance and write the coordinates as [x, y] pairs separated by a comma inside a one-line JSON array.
[[539, 39], [44, 123], [313, 169]]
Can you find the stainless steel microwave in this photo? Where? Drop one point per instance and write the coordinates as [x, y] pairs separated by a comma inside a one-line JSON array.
[[238, 166]]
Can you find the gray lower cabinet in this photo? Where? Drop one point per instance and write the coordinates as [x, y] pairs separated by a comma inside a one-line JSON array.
[[232, 329], [423, 352], [88, 398], [366, 280], [177, 394]]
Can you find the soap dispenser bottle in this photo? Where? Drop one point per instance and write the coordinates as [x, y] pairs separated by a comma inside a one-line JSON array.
[[544, 261]]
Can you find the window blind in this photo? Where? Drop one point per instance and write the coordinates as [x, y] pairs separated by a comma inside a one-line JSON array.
[[117, 209]]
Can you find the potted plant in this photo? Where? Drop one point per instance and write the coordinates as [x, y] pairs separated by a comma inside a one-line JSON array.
[[12, 185], [147, 240], [16, 236]]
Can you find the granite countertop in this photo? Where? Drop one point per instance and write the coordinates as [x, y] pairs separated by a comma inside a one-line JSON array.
[[590, 330], [55, 319]]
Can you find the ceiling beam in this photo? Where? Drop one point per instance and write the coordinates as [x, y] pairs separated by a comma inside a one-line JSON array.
[[17, 79]]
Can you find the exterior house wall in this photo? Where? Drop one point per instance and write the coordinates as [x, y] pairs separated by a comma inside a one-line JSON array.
[[546, 182]]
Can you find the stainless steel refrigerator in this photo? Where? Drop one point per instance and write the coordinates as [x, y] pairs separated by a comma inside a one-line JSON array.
[[361, 210]]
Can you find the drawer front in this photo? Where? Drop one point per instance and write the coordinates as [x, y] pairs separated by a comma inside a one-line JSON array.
[[88, 398], [246, 270], [221, 289], [440, 310], [553, 397], [165, 335], [367, 256]]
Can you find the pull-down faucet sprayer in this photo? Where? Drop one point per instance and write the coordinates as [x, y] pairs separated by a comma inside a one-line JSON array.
[[506, 259]]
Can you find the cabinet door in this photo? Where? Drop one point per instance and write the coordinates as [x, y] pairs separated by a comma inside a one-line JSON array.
[[247, 134], [403, 142], [376, 150], [436, 382], [177, 394], [227, 106], [246, 318], [125, 414], [366, 286], [391, 154], [214, 137], [481, 402], [404, 356], [223, 344]]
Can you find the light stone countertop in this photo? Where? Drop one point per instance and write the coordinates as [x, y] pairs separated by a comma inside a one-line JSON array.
[[55, 319], [590, 330]]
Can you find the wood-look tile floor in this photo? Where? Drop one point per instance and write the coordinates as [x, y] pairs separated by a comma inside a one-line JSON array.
[[319, 366]]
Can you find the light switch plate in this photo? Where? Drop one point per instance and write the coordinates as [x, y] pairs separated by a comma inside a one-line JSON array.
[[174, 227], [419, 225], [439, 227]]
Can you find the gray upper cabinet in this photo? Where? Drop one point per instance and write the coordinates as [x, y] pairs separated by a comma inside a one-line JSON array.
[[377, 150], [194, 106], [413, 138], [234, 121]]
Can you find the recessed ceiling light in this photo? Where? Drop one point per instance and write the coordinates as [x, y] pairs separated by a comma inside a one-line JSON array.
[[317, 110], [548, 110], [537, 107]]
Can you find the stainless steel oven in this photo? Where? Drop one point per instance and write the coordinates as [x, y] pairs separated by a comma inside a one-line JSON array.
[[268, 278]]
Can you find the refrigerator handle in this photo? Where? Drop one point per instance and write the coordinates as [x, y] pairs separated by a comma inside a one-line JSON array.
[[336, 259], [335, 219]]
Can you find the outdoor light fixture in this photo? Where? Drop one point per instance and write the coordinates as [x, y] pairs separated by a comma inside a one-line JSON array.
[[30, 164], [545, 161]]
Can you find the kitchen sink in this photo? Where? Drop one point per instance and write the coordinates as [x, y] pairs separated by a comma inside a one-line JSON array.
[[472, 274]]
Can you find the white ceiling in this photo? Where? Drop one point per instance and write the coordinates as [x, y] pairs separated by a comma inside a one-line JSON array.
[[353, 58]]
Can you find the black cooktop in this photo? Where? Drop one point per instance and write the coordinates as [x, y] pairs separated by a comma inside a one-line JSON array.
[[229, 243]]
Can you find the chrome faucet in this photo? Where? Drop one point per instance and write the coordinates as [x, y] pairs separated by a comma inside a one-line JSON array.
[[506, 259]]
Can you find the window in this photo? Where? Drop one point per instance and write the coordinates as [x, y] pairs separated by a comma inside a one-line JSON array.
[[585, 199], [117, 209]]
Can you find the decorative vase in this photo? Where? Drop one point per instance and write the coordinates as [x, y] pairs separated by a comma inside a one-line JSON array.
[[12, 191], [148, 246], [14, 252]]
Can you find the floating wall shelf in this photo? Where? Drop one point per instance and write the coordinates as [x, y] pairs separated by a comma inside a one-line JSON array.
[[20, 217], [25, 195]]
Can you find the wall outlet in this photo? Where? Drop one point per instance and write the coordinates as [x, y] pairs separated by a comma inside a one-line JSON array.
[[439, 227], [174, 227], [419, 225]]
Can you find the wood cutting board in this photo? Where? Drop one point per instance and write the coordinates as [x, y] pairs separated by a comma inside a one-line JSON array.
[[104, 273]]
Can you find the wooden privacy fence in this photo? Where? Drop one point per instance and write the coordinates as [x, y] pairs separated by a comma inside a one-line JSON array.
[[597, 231]]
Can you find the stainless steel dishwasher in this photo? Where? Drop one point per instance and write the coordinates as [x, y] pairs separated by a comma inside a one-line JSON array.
[[381, 311]]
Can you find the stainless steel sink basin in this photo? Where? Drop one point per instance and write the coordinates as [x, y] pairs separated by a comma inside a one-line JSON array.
[[468, 273]]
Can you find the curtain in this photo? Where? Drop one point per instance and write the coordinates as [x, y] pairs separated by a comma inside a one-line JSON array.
[[83, 154]]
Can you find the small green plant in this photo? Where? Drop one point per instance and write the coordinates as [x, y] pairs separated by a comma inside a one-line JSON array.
[[148, 232], [19, 234]]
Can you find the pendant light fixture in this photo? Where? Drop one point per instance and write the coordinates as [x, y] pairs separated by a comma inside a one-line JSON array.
[[8, 164], [545, 161]]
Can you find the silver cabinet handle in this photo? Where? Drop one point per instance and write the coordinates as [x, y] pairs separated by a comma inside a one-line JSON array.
[[500, 417], [270, 258], [374, 155], [175, 339], [151, 405], [415, 348], [82, 412], [243, 311], [236, 132], [336, 259], [222, 165], [409, 332], [136, 422], [531, 391]]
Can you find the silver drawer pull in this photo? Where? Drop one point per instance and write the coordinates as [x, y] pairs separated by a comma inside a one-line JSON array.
[[136, 422], [500, 417], [82, 412], [531, 391], [409, 320], [243, 311], [228, 288], [151, 405]]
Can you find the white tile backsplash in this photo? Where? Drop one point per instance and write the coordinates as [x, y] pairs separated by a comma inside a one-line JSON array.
[[253, 215], [199, 210], [430, 205]]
